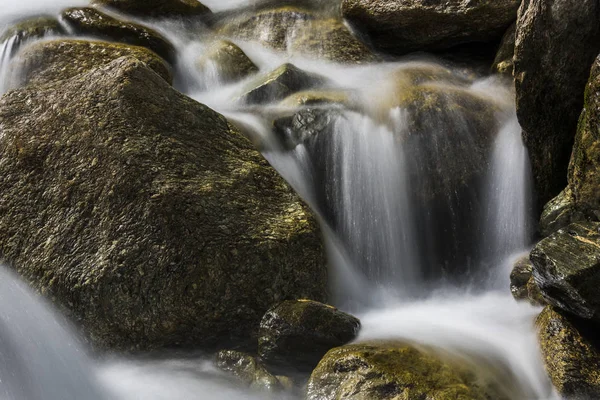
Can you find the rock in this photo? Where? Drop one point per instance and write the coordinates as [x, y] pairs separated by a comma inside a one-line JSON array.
[[550, 90], [248, 370], [519, 277], [317, 97], [298, 30], [304, 126], [31, 29], [228, 60], [280, 83], [145, 215], [503, 63], [382, 371], [157, 8], [534, 294], [570, 357], [297, 334], [88, 21], [59, 60], [580, 201], [566, 267], [401, 26]]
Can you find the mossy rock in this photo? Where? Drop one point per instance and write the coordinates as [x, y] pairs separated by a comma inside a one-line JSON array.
[[59, 60], [316, 97], [279, 84], [503, 63], [549, 90], [519, 277], [30, 29], [228, 60], [157, 8], [401, 26], [147, 217], [247, 370], [88, 21], [571, 354], [566, 267], [298, 30], [297, 334], [390, 371]]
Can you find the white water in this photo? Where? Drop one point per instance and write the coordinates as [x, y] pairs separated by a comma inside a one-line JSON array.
[[382, 247]]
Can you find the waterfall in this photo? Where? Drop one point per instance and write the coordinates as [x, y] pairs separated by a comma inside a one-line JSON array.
[[420, 181]]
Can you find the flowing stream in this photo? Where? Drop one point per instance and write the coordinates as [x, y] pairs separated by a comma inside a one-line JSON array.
[[424, 209]]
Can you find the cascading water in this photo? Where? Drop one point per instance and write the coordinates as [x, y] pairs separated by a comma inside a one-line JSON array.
[[421, 181]]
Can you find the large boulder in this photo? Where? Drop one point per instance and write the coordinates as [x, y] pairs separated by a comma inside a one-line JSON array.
[[581, 199], [88, 21], [298, 30], [157, 8], [556, 44], [566, 267], [59, 60], [390, 371], [145, 215], [227, 60], [297, 334], [401, 26], [570, 354]]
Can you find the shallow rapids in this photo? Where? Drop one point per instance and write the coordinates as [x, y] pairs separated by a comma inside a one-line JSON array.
[[424, 208]]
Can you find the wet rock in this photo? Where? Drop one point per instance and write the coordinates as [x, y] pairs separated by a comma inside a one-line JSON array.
[[570, 352], [550, 90], [88, 21], [248, 370], [279, 84], [228, 60], [31, 29], [566, 267], [381, 371], [317, 97], [297, 334], [157, 8], [305, 126], [63, 59], [534, 294], [146, 216], [503, 63], [401, 26], [519, 277], [298, 30]]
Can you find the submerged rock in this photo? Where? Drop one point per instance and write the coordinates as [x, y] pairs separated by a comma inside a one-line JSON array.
[[157, 8], [401, 26], [390, 371], [88, 21], [296, 29], [145, 215], [566, 267], [228, 61], [571, 358], [279, 84], [59, 60], [248, 370], [550, 89], [297, 334], [31, 29], [503, 63]]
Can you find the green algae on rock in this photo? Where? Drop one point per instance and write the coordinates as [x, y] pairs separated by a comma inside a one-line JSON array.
[[401, 26], [390, 371], [88, 21], [566, 267], [157, 8], [570, 357], [279, 84], [59, 60], [228, 60], [297, 334], [145, 216], [549, 89]]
